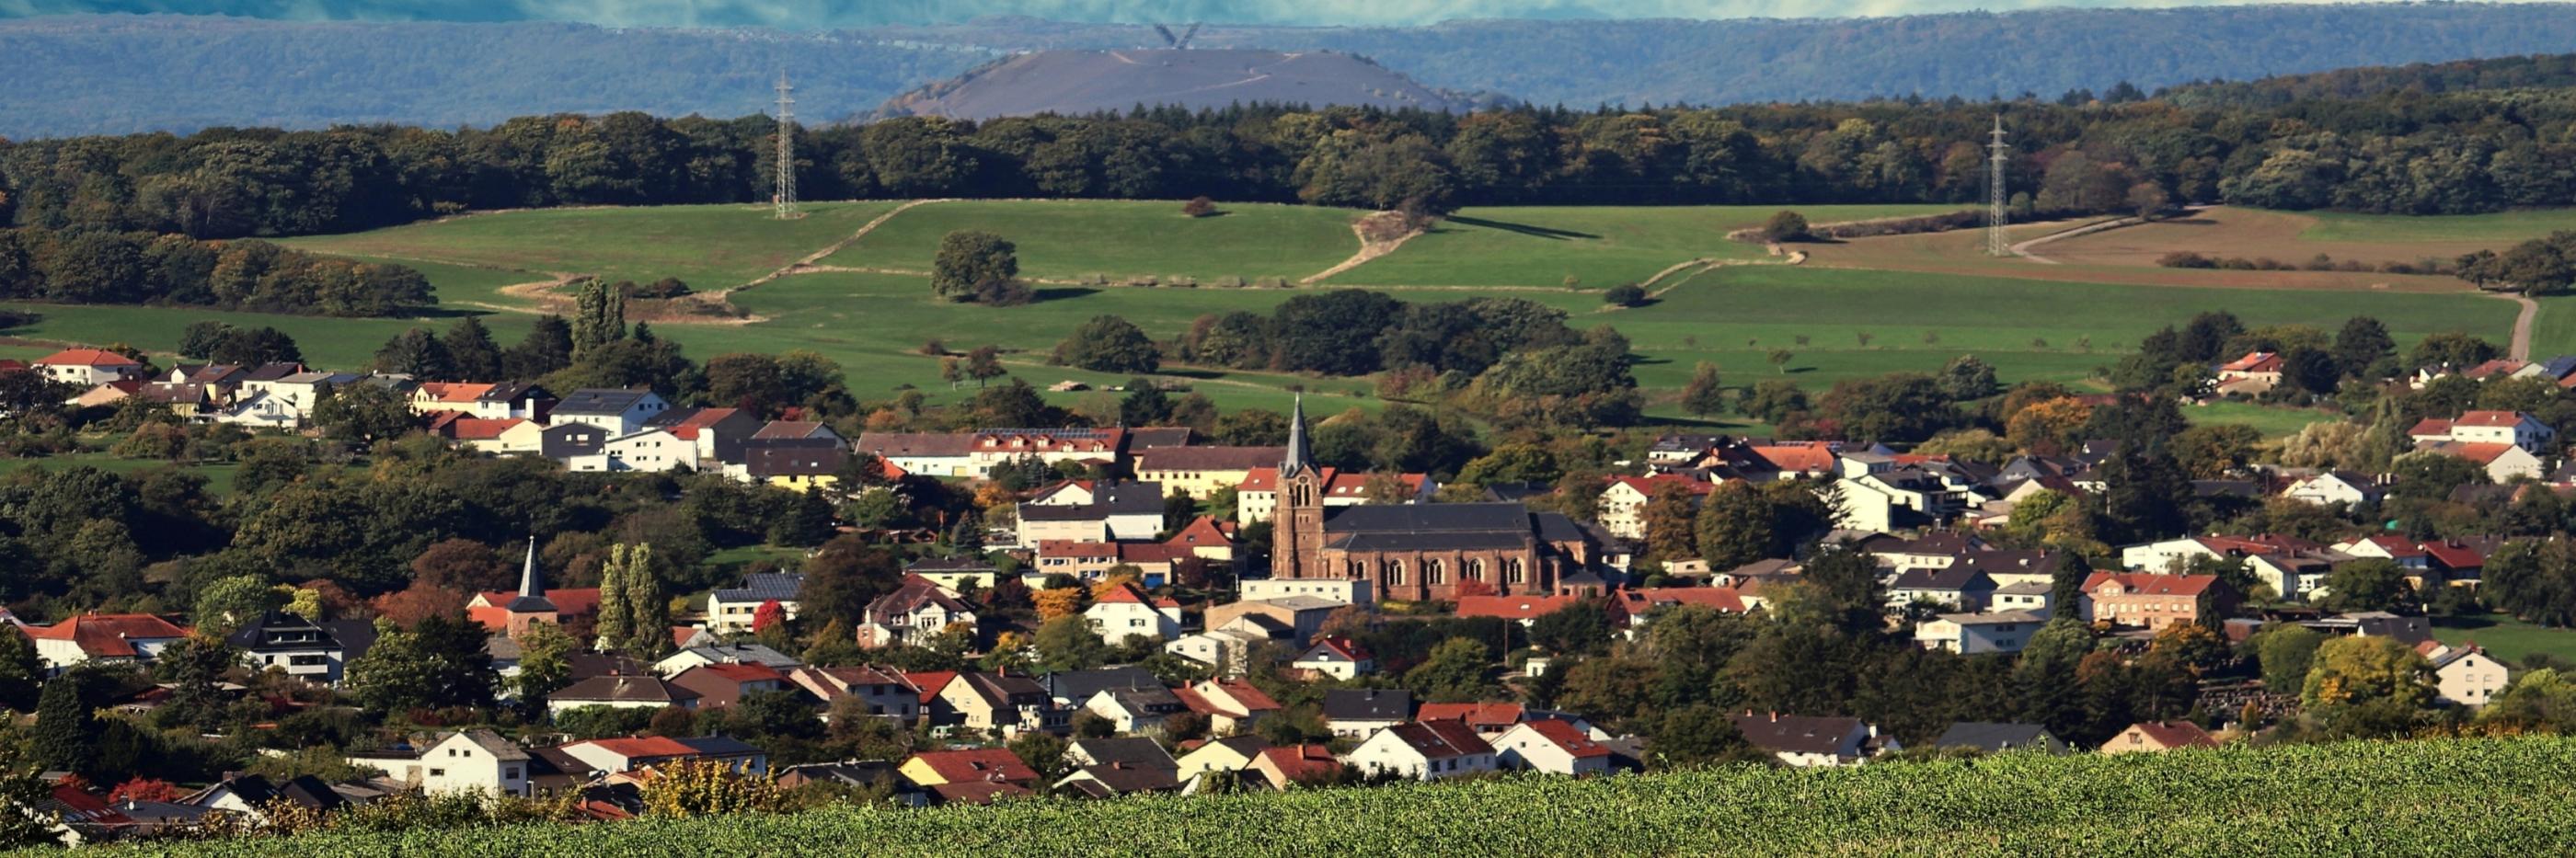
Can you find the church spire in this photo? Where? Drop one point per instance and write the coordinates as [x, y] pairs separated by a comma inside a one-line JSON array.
[[532, 592], [1298, 455]]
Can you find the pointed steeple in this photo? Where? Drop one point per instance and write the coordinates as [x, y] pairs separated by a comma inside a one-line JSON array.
[[532, 592], [1298, 455]]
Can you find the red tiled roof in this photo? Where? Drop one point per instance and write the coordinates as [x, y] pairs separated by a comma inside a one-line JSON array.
[[2176, 734], [742, 672], [2149, 584], [1726, 599], [687, 429], [1130, 594], [2254, 362], [86, 357], [1802, 456], [2454, 555], [634, 747], [1473, 714], [108, 635], [454, 391], [1565, 735], [2484, 454], [1300, 762], [480, 428], [930, 682], [1648, 485], [1204, 530], [1349, 649], [2429, 427], [2490, 419], [1512, 607]]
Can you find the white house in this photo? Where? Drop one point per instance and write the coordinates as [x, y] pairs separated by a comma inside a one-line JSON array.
[[2502, 462], [1621, 508], [2486, 427], [291, 644], [1336, 657], [1127, 610], [650, 451], [731, 609], [2037, 597], [1553, 746], [1808, 740], [1225, 649], [617, 412], [85, 638], [88, 367], [1348, 591], [2333, 487], [1423, 750], [2466, 675], [1970, 634], [628, 754], [468, 761], [913, 614]]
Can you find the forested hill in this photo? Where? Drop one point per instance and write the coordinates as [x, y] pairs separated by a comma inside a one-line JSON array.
[[2552, 71], [118, 74]]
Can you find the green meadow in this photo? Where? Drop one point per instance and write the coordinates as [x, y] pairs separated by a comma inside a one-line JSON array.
[[1599, 247], [1118, 239], [711, 247], [2501, 226]]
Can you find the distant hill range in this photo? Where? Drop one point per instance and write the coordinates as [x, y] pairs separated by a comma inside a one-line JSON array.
[[1080, 82], [124, 73]]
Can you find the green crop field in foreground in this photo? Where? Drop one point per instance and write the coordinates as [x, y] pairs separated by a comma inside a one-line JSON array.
[[2506, 227], [1077, 239], [2451, 797]]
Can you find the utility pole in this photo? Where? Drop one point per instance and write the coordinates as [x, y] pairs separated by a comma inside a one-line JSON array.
[[1998, 154], [784, 197]]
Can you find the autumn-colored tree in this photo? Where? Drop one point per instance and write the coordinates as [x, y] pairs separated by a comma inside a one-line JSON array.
[[769, 614], [143, 789], [2366, 668], [1670, 518], [2049, 428], [1058, 602], [1115, 577], [701, 787], [463, 565], [407, 607]]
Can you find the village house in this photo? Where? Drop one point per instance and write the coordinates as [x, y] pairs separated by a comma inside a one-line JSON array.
[[955, 573], [2501, 462], [796, 464], [1001, 704], [1227, 648], [629, 754], [2250, 375], [620, 692], [1803, 741], [719, 685], [1292, 766], [1346, 591], [1092, 511], [102, 638], [1221, 756], [1427, 750], [1135, 710], [1622, 505], [968, 765], [502, 401], [1552, 746], [913, 614], [1152, 561], [1200, 471], [1127, 610], [2334, 487], [880, 693], [1230, 705], [88, 367], [2154, 602], [2486, 427], [1971, 634], [1357, 712], [1098, 448], [2157, 737], [469, 761], [253, 797], [930, 454], [1955, 586], [724, 653], [731, 609], [1257, 497], [1335, 657], [2465, 675], [291, 645], [1299, 617], [616, 412]]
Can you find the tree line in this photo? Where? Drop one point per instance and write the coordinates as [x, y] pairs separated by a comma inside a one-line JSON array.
[[2392, 152], [99, 266]]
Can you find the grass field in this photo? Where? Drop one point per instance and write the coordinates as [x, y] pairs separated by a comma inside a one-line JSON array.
[[710, 247], [219, 475], [1599, 247], [2272, 421], [2445, 797], [2506, 638], [2500, 228], [1074, 239]]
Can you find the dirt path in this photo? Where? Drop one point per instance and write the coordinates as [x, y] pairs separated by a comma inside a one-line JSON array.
[[541, 293], [808, 262], [1368, 250], [2022, 248], [2521, 349]]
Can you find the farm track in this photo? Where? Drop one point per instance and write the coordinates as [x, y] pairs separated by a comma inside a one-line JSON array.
[[2521, 348], [808, 262], [1368, 250], [2022, 248]]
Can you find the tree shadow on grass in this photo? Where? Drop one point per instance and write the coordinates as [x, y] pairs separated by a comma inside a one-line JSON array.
[[1522, 228], [1060, 293]]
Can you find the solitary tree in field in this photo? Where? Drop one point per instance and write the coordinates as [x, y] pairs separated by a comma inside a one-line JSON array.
[[1785, 226], [1199, 207], [972, 263], [1780, 360], [1624, 295], [1704, 396]]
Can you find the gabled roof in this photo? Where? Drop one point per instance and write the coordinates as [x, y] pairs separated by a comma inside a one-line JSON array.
[[2176, 734], [1567, 737], [623, 689], [784, 429], [1203, 530], [1952, 577], [918, 444], [1367, 704], [1798, 734], [108, 635], [1648, 485], [1440, 740], [1301, 762], [1132, 750], [600, 400], [1482, 715], [764, 586], [86, 357], [2253, 362], [2481, 453], [1079, 685], [1240, 699], [1992, 737], [1127, 593], [963, 765], [2492, 419], [1336, 645]]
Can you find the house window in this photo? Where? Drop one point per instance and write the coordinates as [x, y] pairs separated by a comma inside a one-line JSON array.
[[511, 773], [437, 773]]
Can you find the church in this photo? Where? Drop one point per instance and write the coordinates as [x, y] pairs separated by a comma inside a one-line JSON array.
[[1417, 552]]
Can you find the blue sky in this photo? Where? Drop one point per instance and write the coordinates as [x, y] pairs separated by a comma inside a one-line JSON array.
[[821, 14]]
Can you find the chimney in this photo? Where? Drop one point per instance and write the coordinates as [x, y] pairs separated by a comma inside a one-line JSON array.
[[1775, 717]]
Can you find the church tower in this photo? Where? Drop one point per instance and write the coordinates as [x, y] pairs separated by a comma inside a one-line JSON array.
[[1297, 523], [531, 605]]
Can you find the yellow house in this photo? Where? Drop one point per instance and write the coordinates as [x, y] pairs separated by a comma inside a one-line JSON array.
[[1201, 471], [802, 464], [1230, 754]]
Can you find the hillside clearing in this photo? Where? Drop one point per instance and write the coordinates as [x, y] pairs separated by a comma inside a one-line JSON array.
[[1068, 240]]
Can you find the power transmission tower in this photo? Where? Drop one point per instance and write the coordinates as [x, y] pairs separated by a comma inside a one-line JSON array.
[[784, 197], [1999, 154]]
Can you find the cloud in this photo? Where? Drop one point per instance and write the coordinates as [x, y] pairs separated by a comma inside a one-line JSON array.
[[825, 14]]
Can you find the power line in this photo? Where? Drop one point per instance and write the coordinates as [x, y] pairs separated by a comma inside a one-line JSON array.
[[1995, 243]]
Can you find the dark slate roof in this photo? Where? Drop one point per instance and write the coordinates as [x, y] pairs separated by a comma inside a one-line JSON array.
[[273, 371], [1514, 492], [1992, 737], [355, 636], [2012, 561], [1078, 685], [306, 790], [764, 586], [1368, 704], [1446, 526], [1107, 499], [1150, 437], [600, 400], [1797, 734], [719, 746], [565, 440], [624, 689], [793, 457], [278, 630], [1103, 781], [1954, 578]]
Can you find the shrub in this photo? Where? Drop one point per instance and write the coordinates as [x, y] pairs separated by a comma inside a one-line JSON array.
[[1199, 207], [2185, 259], [1625, 295], [1785, 226]]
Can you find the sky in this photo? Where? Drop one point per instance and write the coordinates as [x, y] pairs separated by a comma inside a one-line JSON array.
[[828, 14]]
